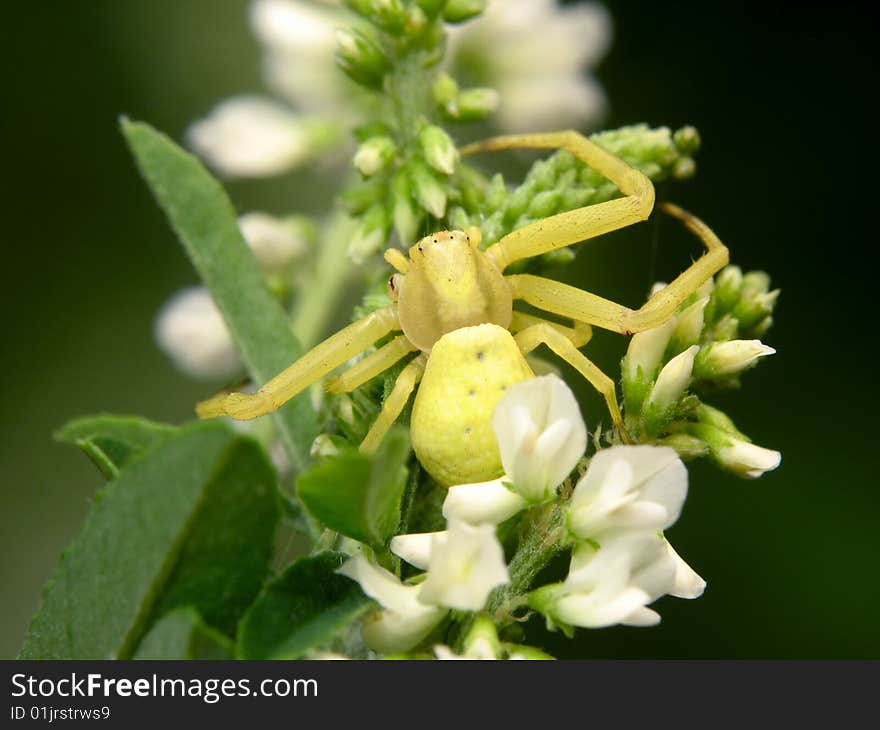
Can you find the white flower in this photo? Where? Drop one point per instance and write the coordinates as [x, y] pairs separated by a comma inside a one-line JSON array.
[[628, 488], [541, 435], [614, 582], [404, 620], [248, 136], [191, 331], [491, 502], [536, 54], [276, 242], [466, 563]]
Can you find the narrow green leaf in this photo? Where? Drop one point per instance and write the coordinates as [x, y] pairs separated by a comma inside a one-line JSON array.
[[192, 522], [357, 495], [111, 442], [308, 605], [183, 635], [203, 218]]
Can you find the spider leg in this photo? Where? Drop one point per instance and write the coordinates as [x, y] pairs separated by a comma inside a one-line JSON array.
[[580, 334], [394, 403], [371, 366], [312, 366], [544, 334], [577, 225], [569, 301]]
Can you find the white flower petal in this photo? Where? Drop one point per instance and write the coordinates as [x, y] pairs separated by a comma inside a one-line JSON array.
[[687, 584], [541, 435], [582, 609], [388, 632], [629, 487], [405, 620], [415, 548], [192, 332], [489, 502], [381, 585], [466, 564], [643, 616]]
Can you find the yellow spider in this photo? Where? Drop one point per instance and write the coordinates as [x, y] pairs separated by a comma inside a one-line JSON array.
[[453, 303]]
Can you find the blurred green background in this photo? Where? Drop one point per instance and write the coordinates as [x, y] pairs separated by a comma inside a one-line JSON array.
[[791, 559]]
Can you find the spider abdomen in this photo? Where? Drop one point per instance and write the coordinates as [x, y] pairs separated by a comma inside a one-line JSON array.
[[467, 373]]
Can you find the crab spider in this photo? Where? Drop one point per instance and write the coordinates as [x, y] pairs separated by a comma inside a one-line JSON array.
[[454, 306]]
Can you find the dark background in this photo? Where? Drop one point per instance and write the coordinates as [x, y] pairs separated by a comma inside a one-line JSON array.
[[785, 177]]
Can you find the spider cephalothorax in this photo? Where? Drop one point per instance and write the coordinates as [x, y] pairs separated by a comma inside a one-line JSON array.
[[454, 305]]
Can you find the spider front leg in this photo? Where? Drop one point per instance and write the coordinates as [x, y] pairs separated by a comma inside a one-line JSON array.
[[577, 225], [394, 403], [569, 301], [545, 334], [312, 366]]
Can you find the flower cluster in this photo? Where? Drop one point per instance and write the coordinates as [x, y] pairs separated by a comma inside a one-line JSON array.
[[614, 519], [710, 342], [534, 53]]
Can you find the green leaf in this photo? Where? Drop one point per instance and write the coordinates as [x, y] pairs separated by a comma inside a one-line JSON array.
[[205, 222], [308, 605], [183, 635], [111, 442], [358, 495], [192, 522]]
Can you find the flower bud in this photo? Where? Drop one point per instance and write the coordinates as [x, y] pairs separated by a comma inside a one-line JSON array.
[[671, 384], [728, 288], [361, 58], [689, 327], [429, 192], [643, 357], [374, 155], [372, 234], [457, 11], [445, 90], [737, 455], [687, 139], [686, 446], [474, 105], [721, 359], [406, 214], [439, 150]]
